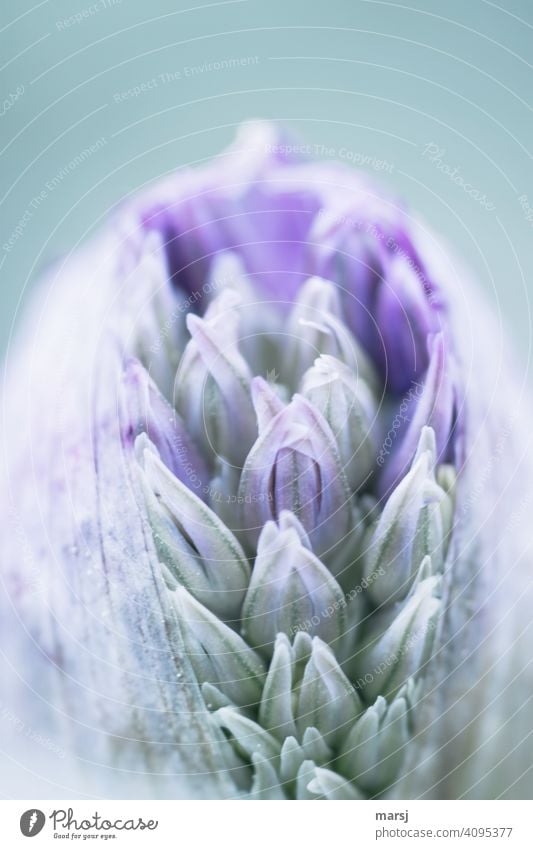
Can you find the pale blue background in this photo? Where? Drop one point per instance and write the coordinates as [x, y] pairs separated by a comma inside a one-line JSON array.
[[380, 79]]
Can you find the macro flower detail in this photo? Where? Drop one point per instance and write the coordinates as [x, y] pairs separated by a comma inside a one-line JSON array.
[[349, 408], [147, 411], [373, 749], [295, 465], [289, 589], [415, 523], [266, 558], [289, 414], [201, 553]]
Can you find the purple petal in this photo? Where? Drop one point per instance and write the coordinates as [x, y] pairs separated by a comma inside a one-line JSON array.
[[434, 408], [146, 411], [294, 465]]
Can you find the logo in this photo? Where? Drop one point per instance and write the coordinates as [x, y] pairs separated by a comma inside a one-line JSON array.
[[32, 822]]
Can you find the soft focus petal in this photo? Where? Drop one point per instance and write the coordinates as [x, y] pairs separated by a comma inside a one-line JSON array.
[[143, 686]]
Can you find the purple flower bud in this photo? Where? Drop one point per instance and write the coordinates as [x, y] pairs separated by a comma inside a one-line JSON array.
[[431, 405], [345, 252], [131, 610], [234, 208], [405, 319], [388, 299], [146, 411], [294, 465]]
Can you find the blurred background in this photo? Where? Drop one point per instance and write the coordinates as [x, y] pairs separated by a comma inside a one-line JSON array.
[[99, 98]]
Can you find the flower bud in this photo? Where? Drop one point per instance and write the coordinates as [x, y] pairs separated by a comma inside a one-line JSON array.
[[144, 410], [316, 327], [265, 783], [291, 758], [349, 408], [413, 525], [217, 654], [374, 749], [315, 747], [214, 698], [386, 294], [432, 406], [232, 377], [326, 699], [305, 775], [267, 404], [290, 591], [157, 315], [327, 784], [196, 396], [346, 250], [275, 711], [168, 585], [188, 236], [258, 314], [400, 650], [213, 384], [306, 334], [200, 551], [405, 318], [295, 465], [248, 737]]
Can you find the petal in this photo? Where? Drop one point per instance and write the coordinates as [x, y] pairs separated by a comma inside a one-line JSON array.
[[195, 544], [217, 654]]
